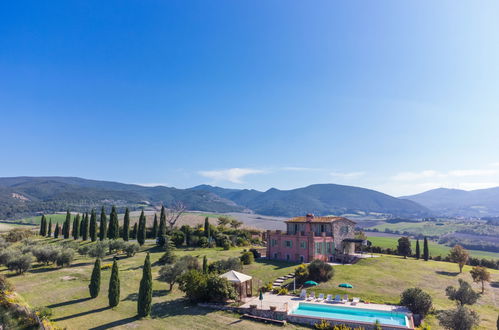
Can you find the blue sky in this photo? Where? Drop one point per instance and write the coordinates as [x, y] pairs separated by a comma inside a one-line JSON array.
[[398, 96]]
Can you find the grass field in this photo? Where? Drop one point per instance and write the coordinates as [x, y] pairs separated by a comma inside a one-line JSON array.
[[435, 248], [8, 226], [380, 279]]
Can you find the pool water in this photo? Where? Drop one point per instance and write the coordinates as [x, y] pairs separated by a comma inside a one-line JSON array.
[[350, 314]]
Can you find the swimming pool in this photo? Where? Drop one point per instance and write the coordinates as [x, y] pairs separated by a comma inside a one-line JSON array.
[[350, 314]]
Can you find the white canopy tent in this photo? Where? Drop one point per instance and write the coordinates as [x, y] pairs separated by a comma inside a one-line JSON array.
[[242, 282]]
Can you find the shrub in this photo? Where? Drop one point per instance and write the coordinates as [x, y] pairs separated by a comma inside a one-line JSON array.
[[320, 271], [323, 325], [301, 273], [106, 266], [70, 245], [116, 245], [224, 265], [203, 242], [178, 238], [84, 249], [43, 313], [219, 289], [18, 234], [460, 318], [131, 248], [99, 249], [240, 241], [7, 254], [247, 258], [19, 263], [267, 287], [65, 258], [283, 291], [46, 254], [416, 300], [206, 287]]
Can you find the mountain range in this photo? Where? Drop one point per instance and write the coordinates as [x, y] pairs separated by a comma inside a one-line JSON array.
[[20, 196], [455, 202]]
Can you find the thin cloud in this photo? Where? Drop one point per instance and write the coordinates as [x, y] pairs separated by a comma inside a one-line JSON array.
[[473, 172], [411, 176], [234, 175], [300, 169], [347, 175], [152, 184]]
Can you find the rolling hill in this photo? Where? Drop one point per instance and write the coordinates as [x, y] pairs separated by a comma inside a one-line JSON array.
[[320, 199], [22, 196], [455, 202]]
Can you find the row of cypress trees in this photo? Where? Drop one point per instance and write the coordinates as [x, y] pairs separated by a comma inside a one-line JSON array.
[[426, 251], [145, 289], [85, 226]]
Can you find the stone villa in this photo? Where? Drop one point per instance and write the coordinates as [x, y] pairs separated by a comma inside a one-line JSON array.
[[309, 237]]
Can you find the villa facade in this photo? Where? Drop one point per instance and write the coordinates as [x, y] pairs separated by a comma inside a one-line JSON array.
[[309, 237]]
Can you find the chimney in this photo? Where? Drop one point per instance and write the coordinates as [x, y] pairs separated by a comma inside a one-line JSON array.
[[310, 217]]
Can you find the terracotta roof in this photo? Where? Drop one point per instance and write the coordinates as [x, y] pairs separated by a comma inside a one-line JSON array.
[[318, 219]]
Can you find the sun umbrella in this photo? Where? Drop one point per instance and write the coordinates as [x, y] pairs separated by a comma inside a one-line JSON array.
[[311, 283], [345, 285], [261, 299]]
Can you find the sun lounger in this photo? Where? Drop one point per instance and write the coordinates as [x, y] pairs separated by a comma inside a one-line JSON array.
[[303, 294], [312, 296], [337, 299], [329, 298], [355, 300], [345, 299], [321, 297]]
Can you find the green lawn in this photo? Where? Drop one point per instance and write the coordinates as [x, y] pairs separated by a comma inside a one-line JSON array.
[[56, 218], [435, 248], [380, 279]]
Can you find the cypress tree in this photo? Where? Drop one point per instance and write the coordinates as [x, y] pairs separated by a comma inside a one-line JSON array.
[[93, 226], [155, 228], [207, 227], [418, 252], [205, 265], [162, 222], [67, 225], [84, 233], [43, 226], [114, 286], [426, 252], [76, 227], [145, 290], [141, 235], [103, 225], [94, 286], [114, 227], [126, 225], [49, 230], [134, 231], [56, 231]]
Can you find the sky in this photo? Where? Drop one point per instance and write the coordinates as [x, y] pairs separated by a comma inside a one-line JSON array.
[[397, 96]]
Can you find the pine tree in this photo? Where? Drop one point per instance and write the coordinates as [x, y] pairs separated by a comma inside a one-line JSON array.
[[162, 222], [94, 286], [84, 233], [207, 228], [114, 227], [43, 226], [76, 227], [426, 252], [126, 225], [103, 225], [145, 290], [67, 225], [141, 235], [155, 228], [114, 286], [134, 231], [205, 265], [93, 226], [418, 252], [49, 230], [56, 231]]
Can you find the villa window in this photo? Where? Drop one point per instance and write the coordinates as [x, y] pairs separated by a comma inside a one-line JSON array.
[[322, 228], [302, 259], [288, 257], [275, 256], [288, 244], [303, 244], [274, 242], [329, 247], [318, 247]]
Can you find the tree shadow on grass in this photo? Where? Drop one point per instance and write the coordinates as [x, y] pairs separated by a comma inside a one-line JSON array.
[[42, 269], [177, 307], [115, 323], [81, 264], [160, 293], [132, 297], [441, 272], [97, 310], [155, 249], [494, 284], [69, 302]]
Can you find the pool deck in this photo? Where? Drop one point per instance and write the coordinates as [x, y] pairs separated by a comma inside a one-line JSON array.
[[287, 303]]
